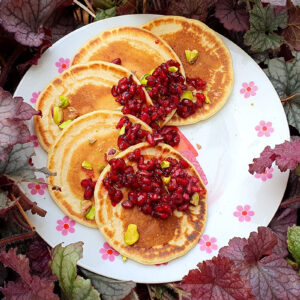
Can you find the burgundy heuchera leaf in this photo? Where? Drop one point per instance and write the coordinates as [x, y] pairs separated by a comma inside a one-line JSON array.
[[26, 18], [286, 156], [12, 128], [27, 286], [232, 14], [271, 277], [279, 224], [216, 279]]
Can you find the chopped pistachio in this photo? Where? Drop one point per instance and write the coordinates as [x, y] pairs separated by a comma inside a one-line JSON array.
[[91, 213], [92, 141], [207, 100], [124, 258], [63, 125], [86, 205], [64, 101], [151, 72], [173, 69], [101, 168], [86, 165], [165, 164], [131, 235], [57, 115], [191, 56], [195, 199], [187, 95], [165, 180], [122, 130], [143, 80]]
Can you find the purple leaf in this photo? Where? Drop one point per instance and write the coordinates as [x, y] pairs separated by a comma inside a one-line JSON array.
[[12, 128], [285, 155], [216, 279], [26, 18], [27, 286], [271, 277], [232, 14], [279, 224]]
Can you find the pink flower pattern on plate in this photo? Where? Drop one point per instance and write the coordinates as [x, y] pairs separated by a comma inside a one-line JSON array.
[[62, 64], [244, 213], [264, 128], [266, 175], [34, 96], [208, 244], [66, 225], [37, 188], [108, 252], [34, 140], [248, 89]]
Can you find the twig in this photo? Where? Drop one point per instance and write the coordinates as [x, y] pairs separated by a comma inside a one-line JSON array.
[[289, 98], [289, 202], [88, 4], [144, 6], [16, 238], [85, 8], [149, 291], [25, 216]]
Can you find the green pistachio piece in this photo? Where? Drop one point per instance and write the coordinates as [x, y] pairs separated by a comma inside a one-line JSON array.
[[124, 258], [173, 69], [207, 100], [101, 168], [57, 115], [91, 213], [191, 56], [165, 164], [63, 125], [187, 95], [143, 80], [131, 235], [195, 199], [64, 101], [151, 72], [165, 180], [86, 165], [122, 130]]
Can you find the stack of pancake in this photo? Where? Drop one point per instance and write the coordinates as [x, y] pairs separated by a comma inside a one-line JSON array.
[[92, 133]]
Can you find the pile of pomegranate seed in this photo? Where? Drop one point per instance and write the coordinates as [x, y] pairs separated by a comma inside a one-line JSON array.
[[155, 189], [133, 134], [89, 186]]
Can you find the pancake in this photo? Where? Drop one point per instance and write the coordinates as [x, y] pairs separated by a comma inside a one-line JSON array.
[[213, 65], [160, 240], [88, 88], [139, 50], [74, 146]]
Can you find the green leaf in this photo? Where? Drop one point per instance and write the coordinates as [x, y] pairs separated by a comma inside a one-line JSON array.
[[263, 23], [110, 289], [285, 76], [294, 242], [63, 265], [106, 13], [104, 4]]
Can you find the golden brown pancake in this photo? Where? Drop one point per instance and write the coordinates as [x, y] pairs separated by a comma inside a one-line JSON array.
[[214, 63], [88, 87], [139, 50], [159, 240], [72, 147]]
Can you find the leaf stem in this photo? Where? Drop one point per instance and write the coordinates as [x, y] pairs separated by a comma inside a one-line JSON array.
[[290, 202], [289, 98], [144, 6], [25, 216], [16, 238], [3, 75]]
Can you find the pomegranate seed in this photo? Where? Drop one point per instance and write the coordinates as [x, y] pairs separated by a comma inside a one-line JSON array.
[[117, 61], [86, 182], [127, 204], [88, 193]]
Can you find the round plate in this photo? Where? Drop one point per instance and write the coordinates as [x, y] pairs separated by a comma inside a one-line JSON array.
[[223, 145]]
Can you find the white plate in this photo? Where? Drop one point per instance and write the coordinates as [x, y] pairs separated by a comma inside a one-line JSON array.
[[229, 141]]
